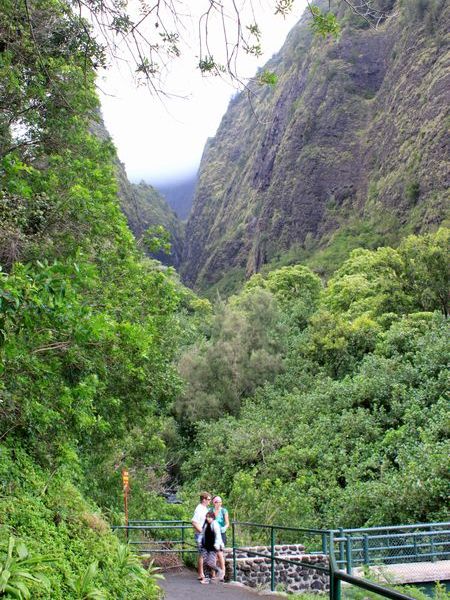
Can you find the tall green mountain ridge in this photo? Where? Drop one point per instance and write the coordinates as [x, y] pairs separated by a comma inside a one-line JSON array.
[[348, 149]]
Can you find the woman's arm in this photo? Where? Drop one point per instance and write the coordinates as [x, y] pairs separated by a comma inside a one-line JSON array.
[[227, 519], [218, 542]]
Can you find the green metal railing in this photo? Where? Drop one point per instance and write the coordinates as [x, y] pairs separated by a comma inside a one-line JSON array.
[[337, 576], [317, 538], [392, 545], [142, 536], [342, 549], [317, 541]]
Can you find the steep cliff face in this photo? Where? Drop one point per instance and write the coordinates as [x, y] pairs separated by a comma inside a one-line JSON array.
[[349, 148], [179, 195]]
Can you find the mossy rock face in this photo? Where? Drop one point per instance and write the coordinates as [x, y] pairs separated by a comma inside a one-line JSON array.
[[350, 143]]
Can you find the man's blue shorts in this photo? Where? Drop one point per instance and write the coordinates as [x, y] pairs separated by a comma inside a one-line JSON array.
[[198, 541]]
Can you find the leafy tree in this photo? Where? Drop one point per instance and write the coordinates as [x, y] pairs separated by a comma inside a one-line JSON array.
[[46, 61], [370, 281], [157, 239], [243, 350], [426, 268], [296, 288]]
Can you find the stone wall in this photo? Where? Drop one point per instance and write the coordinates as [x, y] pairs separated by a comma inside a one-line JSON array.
[[254, 571]]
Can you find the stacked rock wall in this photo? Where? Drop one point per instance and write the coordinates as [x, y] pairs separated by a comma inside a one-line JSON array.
[[254, 571]]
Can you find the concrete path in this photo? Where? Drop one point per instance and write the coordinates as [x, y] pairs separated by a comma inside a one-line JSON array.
[[418, 572], [183, 585]]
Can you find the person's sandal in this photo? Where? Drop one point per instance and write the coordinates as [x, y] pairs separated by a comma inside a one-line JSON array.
[[204, 581]]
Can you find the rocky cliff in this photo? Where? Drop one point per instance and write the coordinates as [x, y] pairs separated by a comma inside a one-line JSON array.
[[350, 148], [179, 195]]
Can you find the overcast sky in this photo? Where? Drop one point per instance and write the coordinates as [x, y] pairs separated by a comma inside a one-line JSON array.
[[160, 140]]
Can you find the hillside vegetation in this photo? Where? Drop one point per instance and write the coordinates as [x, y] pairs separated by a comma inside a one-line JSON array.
[[326, 406], [88, 325], [144, 207]]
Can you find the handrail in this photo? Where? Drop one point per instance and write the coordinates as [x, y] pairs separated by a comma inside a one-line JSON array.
[[151, 527], [336, 576], [393, 527], [350, 548], [281, 527], [159, 521], [397, 535]]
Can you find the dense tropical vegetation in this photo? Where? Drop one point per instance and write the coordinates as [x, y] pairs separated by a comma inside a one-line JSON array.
[[323, 404], [328, 407], [87, 324]]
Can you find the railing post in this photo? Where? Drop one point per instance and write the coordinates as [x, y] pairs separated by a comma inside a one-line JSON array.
[[233, 541], [366, 549], [335, 587], [272, 559], [432, 547], [348, 553], [182, 539], [324, 543], [341, 548], [335, 582], [416, 553]]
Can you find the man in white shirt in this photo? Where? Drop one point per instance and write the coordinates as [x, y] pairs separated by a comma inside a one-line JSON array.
[[198, 521]]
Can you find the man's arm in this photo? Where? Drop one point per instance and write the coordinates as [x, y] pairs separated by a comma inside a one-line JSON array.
[[196, 525]]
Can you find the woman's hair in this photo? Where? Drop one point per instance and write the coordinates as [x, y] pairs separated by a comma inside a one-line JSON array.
[[211, 514]]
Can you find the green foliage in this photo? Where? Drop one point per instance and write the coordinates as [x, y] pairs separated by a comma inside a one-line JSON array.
[[267, 78], [83, 586], [45, 78], [18, 571], [131, 566], [88, 326], [324, 24], [48, 512], [208, 65], [296, 288], [353, 432], [241, 348], [157, 239], [412, 191], [426, 267]]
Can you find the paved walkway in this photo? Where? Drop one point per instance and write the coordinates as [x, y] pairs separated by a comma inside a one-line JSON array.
[[183, 585], [418, 572]]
